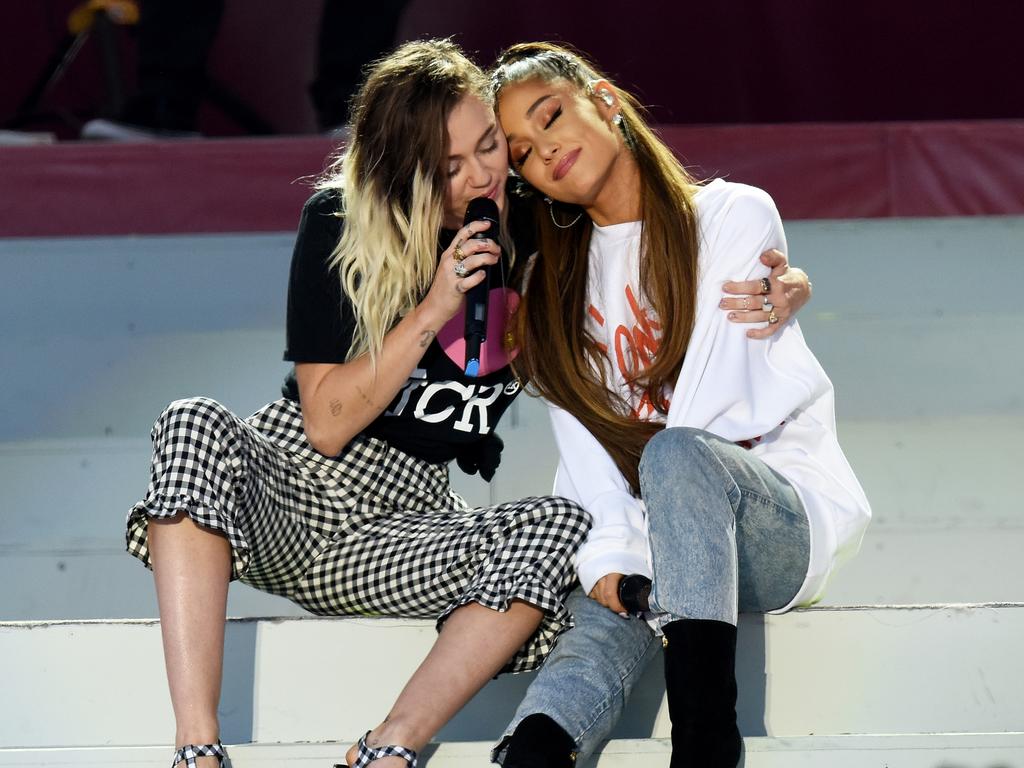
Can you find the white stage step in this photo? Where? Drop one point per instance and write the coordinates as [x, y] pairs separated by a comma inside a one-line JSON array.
[[821, 671], [962, 750]]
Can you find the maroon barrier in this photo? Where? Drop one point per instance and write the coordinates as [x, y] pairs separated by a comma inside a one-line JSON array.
[[867, 170], [823, 171]]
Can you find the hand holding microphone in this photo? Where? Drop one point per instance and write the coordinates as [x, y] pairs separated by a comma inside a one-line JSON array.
[[625, 595], [635, 594]]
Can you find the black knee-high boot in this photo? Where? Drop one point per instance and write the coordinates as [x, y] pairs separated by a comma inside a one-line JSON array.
[[539, 742], [700, 679]]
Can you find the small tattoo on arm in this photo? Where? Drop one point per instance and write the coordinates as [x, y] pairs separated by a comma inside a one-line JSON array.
[[366, 397], [335, 406], [426, 337]]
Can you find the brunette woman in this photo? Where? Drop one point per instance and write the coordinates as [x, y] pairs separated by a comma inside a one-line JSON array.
[[707, 462]]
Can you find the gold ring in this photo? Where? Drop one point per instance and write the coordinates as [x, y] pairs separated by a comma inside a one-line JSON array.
[[772, 318], [457, 254], [746, 302]]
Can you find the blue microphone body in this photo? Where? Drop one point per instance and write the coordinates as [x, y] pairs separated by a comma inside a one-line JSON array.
[[480, 208]]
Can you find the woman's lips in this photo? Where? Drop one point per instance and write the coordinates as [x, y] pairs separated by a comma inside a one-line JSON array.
[[493, 191], [565, 164]]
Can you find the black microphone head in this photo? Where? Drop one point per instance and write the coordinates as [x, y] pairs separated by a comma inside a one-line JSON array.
[[483, 208], [635, 593]]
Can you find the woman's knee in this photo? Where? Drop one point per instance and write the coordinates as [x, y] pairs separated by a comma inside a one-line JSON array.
[[682, 477], [198, 413], [677, 449], [545, 515]]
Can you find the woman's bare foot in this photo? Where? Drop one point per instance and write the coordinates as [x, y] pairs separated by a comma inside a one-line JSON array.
[[205, 732], [202, 762], [384, 734]]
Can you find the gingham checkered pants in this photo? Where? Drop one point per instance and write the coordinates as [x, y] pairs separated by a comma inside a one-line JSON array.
[[372, 532]]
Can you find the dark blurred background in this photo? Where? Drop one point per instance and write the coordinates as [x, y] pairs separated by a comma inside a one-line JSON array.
[[731, 61]]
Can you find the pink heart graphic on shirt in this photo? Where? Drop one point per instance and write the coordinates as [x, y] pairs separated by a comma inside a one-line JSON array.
[[501, 303]]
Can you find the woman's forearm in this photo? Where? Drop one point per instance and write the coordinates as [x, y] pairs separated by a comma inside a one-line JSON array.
[[586, 474], [339, 400]]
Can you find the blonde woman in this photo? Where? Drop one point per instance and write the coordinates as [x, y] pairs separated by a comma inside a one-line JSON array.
[[338, 496]]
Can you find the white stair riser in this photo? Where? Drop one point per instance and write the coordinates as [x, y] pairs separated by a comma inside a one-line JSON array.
[[829, 671]]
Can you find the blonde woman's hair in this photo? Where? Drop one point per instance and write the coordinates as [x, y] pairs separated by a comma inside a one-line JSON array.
[[392, 179], [561, 359]]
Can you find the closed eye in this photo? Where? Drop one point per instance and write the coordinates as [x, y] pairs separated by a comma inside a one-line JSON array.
[[551, 120]]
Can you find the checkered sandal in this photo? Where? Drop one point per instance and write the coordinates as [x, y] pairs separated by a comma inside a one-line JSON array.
[[367, 754], [190, 752]]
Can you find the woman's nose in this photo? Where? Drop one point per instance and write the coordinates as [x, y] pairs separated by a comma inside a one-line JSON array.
[[479, 175], [549, 151]]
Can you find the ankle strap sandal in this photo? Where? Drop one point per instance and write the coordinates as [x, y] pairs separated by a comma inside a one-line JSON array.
[[190, 752], [367, 754]]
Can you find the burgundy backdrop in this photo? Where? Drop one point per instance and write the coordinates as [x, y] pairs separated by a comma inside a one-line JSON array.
[[725, 61], [720, 76]]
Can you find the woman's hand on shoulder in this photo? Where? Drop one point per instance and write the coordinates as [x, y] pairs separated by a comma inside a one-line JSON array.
[[447, 291], [606, 592], [789, 290]]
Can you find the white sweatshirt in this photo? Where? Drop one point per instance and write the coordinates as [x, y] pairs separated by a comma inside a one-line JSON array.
[[735, 387]]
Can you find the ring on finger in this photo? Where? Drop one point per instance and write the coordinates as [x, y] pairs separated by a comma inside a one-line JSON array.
[[458, 253], [746, 302], [460, 269], [766, 305], [766, 285], [772, 318]]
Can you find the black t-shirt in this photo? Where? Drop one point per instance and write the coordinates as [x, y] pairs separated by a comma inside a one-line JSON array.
[[440, 413]]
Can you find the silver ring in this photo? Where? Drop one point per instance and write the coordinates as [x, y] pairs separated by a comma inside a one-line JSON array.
[[460, 269], [766, 305], [766, 285]]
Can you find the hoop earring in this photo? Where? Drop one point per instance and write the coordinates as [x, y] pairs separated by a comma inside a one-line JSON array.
[[551, 210]]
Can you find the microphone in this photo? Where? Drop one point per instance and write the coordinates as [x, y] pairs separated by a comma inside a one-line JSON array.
[[485, 209], [634, 593]]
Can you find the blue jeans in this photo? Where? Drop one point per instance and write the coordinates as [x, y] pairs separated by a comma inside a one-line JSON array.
[[727, 534]]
